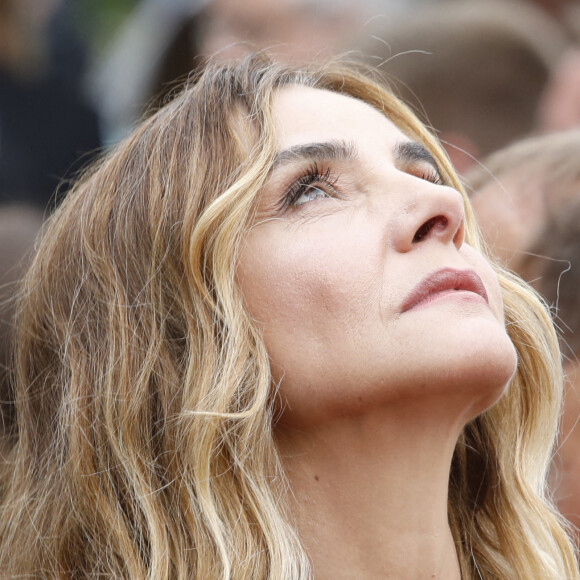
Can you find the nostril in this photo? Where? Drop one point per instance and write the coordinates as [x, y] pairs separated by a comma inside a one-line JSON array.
[[439, 222]]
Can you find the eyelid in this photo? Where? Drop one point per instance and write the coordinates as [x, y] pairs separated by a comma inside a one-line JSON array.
[[313, 175], [425, 171]]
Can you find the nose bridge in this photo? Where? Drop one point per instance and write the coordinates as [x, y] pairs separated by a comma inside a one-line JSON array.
[[427, 212]]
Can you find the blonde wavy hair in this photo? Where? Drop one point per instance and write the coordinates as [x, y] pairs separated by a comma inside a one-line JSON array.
[[145, 405]]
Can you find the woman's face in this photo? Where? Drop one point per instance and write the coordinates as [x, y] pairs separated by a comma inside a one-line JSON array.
[[357, 271]]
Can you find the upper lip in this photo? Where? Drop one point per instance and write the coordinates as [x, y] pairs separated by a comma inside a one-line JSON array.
[[441, 280]]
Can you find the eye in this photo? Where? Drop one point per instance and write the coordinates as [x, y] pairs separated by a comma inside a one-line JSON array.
[[308, 193], [312, 185]]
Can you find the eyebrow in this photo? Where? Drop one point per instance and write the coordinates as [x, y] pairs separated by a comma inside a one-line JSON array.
[[405, 152], [335, 150]]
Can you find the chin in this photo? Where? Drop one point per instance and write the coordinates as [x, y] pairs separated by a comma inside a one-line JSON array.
[[461, 369], [486, 369]]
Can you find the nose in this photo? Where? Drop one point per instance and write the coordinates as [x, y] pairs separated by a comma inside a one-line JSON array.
[[433, 212]]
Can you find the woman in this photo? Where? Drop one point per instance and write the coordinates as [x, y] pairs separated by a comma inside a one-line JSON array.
[[259, 341]]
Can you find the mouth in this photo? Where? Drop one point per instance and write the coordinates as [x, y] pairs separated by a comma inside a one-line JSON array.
[[444, 281]]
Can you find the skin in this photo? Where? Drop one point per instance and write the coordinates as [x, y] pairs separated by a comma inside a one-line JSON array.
[[372, 398]]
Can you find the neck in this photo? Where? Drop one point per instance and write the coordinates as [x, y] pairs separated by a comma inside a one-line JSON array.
[[371, 495]]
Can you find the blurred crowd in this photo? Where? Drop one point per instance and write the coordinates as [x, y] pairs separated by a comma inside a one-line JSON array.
[[497, 80]]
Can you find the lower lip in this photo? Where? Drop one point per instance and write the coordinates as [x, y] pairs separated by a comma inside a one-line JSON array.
[[461, 296]]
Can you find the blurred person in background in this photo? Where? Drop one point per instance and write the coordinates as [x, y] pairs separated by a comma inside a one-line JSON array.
[[154, 50], [46, 124], [527, 201], [559, 106], [291, 31], [565, 12], [163, 41], [473, 71]]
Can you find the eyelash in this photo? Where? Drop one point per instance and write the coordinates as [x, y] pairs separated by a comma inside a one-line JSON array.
[[313, 175], [431, 175]]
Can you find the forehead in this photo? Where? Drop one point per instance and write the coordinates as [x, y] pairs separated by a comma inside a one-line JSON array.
[[304, 114]]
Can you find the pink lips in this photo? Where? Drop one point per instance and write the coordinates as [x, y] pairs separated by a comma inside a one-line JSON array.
[[444, 280]]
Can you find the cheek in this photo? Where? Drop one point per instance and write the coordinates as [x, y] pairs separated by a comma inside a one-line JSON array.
[[283, 281], [304, 291]]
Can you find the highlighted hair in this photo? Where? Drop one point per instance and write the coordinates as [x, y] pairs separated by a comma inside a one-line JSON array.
[[144, 395]]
